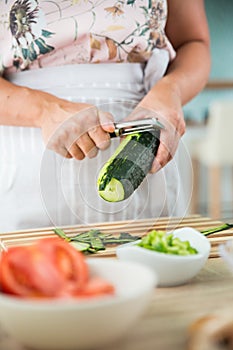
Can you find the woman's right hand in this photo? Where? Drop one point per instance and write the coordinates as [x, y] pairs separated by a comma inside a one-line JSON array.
[[75, 129], [71, 129]]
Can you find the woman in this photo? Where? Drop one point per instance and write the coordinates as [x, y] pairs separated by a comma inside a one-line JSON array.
[[71, 68]]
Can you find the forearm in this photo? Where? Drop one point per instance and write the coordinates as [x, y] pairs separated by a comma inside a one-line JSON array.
[[189, 72], [186, 76], [19, 106], [187, 29], [22, 106]]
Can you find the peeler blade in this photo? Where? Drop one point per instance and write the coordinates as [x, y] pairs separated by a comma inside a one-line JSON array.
[[134, 126]]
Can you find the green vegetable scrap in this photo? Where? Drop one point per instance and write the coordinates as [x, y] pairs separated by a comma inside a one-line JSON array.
[[162, 242], [220, 228], [95, 240]]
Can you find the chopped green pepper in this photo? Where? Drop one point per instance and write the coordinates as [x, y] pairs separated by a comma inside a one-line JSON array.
[[162, 242]]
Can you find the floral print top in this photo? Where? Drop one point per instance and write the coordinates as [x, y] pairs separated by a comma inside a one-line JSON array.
[[41, 33]]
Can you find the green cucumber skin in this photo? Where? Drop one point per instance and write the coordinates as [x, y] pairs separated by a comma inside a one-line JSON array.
[[131, 165]]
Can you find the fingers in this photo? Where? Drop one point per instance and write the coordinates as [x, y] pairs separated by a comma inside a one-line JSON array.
[[100, 138], [83, 134], [76, 152], [106, 121], [169, 140], [141, 113], [96, 136], [162, 158], [64, 153], [86, 146], [100, 133]]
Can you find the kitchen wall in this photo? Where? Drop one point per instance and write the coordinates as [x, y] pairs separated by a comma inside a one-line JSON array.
[[220, 19]]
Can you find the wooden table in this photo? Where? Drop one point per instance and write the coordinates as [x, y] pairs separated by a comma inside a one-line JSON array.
[[165, 323]]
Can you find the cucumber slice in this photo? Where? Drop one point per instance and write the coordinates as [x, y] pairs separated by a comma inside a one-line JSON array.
[[113, 192]]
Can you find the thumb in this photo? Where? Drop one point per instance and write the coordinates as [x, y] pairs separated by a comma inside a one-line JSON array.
[[106, 121]]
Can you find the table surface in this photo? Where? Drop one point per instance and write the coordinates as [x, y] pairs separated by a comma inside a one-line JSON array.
[[164, 325]]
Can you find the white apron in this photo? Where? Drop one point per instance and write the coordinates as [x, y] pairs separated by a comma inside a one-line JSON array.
[[40, 188]]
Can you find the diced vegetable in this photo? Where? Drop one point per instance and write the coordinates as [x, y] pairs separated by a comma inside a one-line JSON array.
[[162, 242]]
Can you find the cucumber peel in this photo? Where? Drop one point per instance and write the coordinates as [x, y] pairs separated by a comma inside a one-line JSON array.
[[128, 166]]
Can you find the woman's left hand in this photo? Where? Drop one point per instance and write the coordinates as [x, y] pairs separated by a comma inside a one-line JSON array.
[[163, 103]]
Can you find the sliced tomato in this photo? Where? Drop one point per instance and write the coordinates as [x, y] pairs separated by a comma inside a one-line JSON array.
[[69, 262], [15, 276], [48, 268], [96, 286]]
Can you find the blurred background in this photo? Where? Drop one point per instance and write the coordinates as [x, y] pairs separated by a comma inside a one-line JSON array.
[[209, 118]]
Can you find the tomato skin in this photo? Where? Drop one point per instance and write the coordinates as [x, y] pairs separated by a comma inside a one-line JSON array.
[[48, 268], [69, 262], [96, 286]]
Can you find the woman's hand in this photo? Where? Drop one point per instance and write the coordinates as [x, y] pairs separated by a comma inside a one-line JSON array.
[[68, 128], [163, 103], [76, 129]]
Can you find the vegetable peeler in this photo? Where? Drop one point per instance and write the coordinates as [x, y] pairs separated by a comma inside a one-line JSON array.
[[134, 126]]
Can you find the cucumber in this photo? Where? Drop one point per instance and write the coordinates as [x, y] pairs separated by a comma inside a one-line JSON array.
[[126, 169]]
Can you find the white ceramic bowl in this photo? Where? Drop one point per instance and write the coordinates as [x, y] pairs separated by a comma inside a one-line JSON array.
[[171, 270], [66, 325]]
